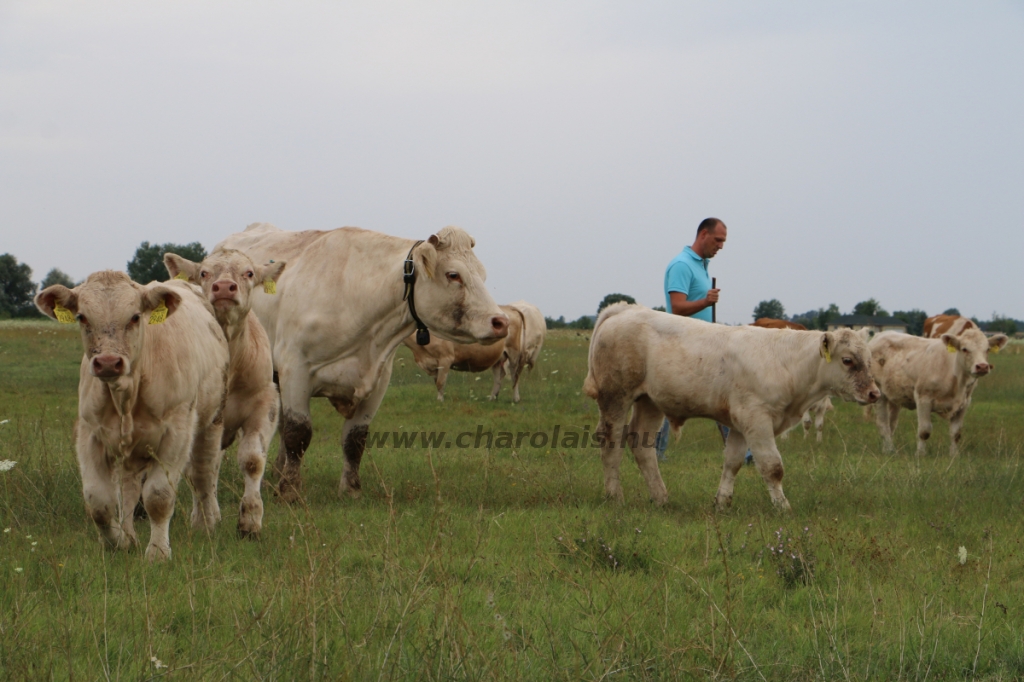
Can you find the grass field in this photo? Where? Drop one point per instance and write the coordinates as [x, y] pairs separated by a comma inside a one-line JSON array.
[[507, 563]]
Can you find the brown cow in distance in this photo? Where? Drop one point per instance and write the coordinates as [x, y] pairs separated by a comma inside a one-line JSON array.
[[937, 325], [772, 323]]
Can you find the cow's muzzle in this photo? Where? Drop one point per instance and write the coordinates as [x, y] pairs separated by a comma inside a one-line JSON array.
[[499, 326], [981, 369], [108, 366], [224, 290]]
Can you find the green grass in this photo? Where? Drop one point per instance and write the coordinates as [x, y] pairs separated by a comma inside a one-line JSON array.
[[477, 564]]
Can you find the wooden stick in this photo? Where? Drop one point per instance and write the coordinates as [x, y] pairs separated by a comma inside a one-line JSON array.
[[714, 285]]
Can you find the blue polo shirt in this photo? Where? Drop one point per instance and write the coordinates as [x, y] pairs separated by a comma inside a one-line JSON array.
[[688, 274]]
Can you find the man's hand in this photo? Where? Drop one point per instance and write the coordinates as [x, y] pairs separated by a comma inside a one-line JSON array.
[[712, 296]]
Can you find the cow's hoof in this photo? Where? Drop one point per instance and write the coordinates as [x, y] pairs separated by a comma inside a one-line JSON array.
[[289, 491], [248, 532], [723, 503], [782, 505], [155, 553]]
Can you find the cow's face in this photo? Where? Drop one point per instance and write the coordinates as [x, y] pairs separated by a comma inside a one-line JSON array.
[[228, 278], [112, 313], [848, 364], [450, 296], [971, 348]]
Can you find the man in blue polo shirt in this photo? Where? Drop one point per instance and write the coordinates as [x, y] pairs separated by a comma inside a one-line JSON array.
[[688, 289]]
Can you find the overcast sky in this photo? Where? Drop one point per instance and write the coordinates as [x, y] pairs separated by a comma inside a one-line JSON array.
[[855, 150]]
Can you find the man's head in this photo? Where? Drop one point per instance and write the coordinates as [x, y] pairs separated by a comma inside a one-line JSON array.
[[711, 235]]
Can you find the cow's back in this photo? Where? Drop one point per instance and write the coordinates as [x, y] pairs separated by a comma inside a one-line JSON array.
[[534, 331], [935, 327]]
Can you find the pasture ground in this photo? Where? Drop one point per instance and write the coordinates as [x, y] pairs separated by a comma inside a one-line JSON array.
[[507, 563]]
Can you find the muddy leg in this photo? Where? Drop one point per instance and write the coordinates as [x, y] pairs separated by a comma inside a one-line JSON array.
[[296, 432], [440, 380], [353, 436], [646, 423], [99, 491], [734, 455], [924, 424], [499, 374], [761, 440], [609, 430]]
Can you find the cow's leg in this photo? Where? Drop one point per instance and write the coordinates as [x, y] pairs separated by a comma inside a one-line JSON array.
[[99, 490], [440, 380], [761, 441], [296, 432], [613, 417], [158, 496], [203, 470], [819, 424], [734, 454], [924, 424], [646, 423], [131, 492], [956, 423], [884, 421], [805, 422], [252, 460], [499, 374], [516, 371], [353, 436]]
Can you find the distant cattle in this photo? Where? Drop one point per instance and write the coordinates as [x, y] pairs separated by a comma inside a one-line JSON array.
[[228, 279], [517, 351], [772, 323], [936, 326], [150, 395], [757, 382], [347, 300], [929, 375], [815, 415]]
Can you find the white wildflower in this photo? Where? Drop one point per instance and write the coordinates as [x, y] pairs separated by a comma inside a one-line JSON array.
[[157, 663], [554, 371], [19, 569], [7, 530], [963, 555], [6, 464], [5, 422]]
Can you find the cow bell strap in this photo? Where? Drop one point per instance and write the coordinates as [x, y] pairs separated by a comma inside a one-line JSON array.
[[409, 277]]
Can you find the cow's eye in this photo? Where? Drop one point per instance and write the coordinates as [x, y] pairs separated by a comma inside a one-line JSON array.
[[454, 277], [135, 318], [848, 362], [250, 274], [204, 274], [81, 318]]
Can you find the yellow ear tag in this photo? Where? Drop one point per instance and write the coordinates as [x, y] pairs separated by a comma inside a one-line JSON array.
[[63, 315], [828, 356], [270, 287], [159, 314], [995, 349], [950, 348], [182, 275]]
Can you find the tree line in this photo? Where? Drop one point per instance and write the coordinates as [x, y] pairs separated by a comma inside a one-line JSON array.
[[17, 289]]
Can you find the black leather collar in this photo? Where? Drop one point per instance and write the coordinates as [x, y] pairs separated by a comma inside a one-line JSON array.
[[409, 277]]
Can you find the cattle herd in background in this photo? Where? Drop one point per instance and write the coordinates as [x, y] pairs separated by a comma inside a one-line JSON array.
[[173, 373]]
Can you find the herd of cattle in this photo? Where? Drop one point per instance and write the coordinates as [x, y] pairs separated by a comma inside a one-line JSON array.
[[174, 372]]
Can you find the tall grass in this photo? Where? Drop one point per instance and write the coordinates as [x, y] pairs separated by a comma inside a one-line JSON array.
[[507, 563]]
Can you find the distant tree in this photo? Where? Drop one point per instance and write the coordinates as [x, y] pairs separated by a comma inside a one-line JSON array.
[[772, 309], [583, 322], [950, 311], [57, 276], [914, 318], [659, 308], [870, 307], [807, 319], [824, 316], [614, 298], [1006, 325], [552, 323], [148, 264], [16, 288]]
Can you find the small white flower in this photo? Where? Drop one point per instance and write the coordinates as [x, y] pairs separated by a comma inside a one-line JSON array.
[[19, 569], [963, 555], [34, 544], [157, 663], [554, 371], [7, 530], [6, 464], [5, 421], [478, 379]]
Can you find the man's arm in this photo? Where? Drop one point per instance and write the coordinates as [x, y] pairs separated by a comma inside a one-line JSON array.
[[681, 306]]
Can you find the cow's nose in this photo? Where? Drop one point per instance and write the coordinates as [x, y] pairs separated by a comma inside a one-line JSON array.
[[224, 287], [107, 365], [873, 396], [982, 368], [499, 324]]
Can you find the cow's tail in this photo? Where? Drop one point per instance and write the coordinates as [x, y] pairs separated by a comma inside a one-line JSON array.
[[590, 383]]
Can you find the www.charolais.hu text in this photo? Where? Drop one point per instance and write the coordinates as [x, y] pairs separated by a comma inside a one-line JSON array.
[[556, 437]]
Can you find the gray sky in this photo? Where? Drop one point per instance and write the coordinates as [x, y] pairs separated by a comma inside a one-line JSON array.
[[854, 149]]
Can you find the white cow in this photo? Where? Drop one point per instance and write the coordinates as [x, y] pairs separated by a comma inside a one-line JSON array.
[[150, 395], [524, 353], [342, 308], [756, 381], [929, 375], [814, 416], [250, 408]]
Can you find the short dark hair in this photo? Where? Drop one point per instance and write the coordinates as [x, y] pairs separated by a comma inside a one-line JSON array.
[[708, 224]]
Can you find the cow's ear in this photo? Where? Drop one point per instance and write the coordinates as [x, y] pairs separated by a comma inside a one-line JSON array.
[[426, 255], [998, 342], [157, 296], [865, 334], [828, 344], [952, 342], [271, 271], [181, 268], [58, 302]]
